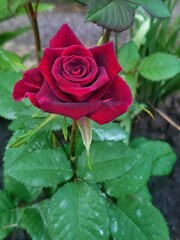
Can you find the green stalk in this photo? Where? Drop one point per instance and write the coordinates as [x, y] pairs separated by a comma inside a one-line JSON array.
[[73, 143], [106, 36]]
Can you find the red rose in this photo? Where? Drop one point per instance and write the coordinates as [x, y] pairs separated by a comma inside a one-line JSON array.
[[74, 81]]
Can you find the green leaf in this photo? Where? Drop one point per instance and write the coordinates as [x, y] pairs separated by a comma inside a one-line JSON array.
[[32, 221], [77, 211], [6, 36], [159, 66], [163, 157], [108, 132], [109, 161], [134, 219], [115, 15], [130, 79], [9, 108], [42, 7], [45, 167], [8, 214], [14, 5], [144, 194], [83, 2], [128, 56], [132, 181], [26, 136], [20, 191], [4, 10], [141, 32], [154, 7], [8, 60]]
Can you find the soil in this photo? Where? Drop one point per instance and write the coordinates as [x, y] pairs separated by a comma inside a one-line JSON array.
[[165, 190]]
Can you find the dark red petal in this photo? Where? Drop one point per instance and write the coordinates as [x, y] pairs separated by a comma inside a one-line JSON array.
[[47, 61], [70, 80], [105, 56], [65, 37], [48, 102], [77, 50], [115, 102], [83, 91], [29, 85]]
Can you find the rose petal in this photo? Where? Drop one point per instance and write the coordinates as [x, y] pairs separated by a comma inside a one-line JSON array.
[[77, 50], [115, 102], [83, 92], [47, 61], [65, 37], [29, 85], [48, 102], [105, 56], [70, 80]]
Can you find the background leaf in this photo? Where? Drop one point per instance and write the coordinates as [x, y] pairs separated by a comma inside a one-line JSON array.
[[9, 108], [6, 36], [154, 7], [8, 60], [77, 211], [163, 157], [159, 66], [116, 15], [128, 56]]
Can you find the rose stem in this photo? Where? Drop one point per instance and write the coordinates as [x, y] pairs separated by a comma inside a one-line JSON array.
[[73, 143], [33, 19], [106, 36]]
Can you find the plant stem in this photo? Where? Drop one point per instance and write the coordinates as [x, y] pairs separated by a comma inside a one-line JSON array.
[[73, 142], [106, 36], [33, 19]]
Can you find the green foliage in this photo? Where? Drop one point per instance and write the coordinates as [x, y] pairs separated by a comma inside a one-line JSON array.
[[163, 157], [159, 66], [8, 214], [6, 36], [8, 60], [159, 37], [120, 13], [110, 199], [100, 11], [83, 2], [20, 190], [154, 7], [40, 168], [77, 211], [132, 181], [107, 165], [128, 56], [108, 132], [8, 8], [8, 108], [134, 219], [32, 220]]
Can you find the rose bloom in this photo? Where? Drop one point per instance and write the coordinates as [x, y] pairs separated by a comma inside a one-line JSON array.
[[74, 81]]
